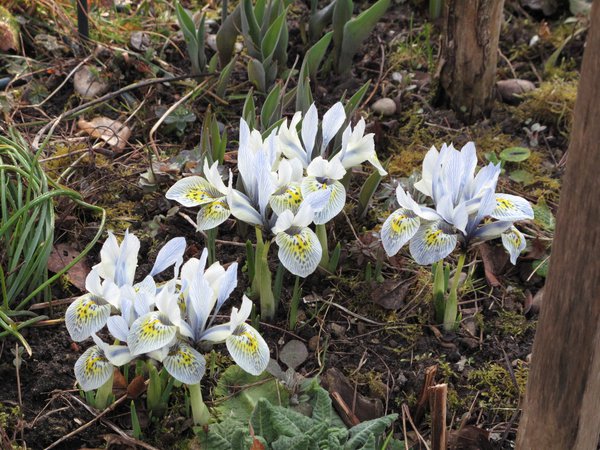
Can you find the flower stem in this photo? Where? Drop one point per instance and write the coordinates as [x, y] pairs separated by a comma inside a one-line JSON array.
[[296, 294], [199, 409], [211, 238], [263, 278], [451, 310], [321, 232], [104, 394]]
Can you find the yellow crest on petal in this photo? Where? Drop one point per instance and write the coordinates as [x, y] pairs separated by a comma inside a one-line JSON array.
[[85, 316]]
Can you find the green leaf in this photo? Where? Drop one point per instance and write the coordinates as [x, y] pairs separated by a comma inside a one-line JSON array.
[[304, 423], [491, 157], [322, 406], [269, 112], [250, 26], [314, 55], [256, 74], [227, 35], [355, 100], [272, 36], [368, 190], [543, 216], [357, 30], [360, 433], [515, 154], [522, 176], [224, 78], [262, 421], [540, 267], [249, 115], [342, 12], [237, 393], [319, 20]]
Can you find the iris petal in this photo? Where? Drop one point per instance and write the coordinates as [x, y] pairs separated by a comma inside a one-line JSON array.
[[150, 332], [514, 242], [300, 252], [511, 207], [192, 191], [432, 242], [185, 364], [336, 201], [397, 230], [289, 199], [92, 369], [248, 349], [213, 214], [85, 316]]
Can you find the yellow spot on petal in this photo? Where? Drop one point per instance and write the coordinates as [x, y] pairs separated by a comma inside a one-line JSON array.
[[432, 237], [504, 204], [198, 195]]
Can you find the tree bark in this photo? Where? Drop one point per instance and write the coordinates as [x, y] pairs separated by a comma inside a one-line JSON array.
[[561, 408], [467, 68]]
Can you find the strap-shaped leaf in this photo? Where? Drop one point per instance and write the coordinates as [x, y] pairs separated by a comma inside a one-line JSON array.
[[227, 35], [357, 30], [272, 36]]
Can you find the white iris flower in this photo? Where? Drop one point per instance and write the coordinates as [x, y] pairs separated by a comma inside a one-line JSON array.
[[467, 209]]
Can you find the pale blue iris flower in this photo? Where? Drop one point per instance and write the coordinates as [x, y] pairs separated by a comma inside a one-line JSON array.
[[466, 210], [160, 321], [279, 172]]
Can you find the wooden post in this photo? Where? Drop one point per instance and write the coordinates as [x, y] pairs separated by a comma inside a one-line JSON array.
[[562, 403], [467, 66], [437, 402]]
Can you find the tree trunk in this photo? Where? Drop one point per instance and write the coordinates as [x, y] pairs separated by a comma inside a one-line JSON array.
[[467, 68], [561, 408]]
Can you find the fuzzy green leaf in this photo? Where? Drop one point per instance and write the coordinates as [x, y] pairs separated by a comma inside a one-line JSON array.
[[543, 215], [361, 433]]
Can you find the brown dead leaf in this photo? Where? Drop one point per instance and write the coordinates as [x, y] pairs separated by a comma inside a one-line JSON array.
[[63, 254], [390, 294], [118, 380], [494, 260], [364, 408], [112, 131], [136, 387], [469, 438]]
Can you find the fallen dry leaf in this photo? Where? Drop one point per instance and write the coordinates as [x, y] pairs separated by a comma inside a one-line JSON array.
[[469, 438], [494, 259], [63, 254], [364, 408], [9, 31], [136, 387], [87, 84], [390, 294], [112, 131]]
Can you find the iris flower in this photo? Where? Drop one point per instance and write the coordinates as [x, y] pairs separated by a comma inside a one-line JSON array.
[[466, 210], [112, 279]]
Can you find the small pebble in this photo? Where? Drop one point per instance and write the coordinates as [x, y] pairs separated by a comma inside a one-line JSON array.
[[313, 343], [293, 353], [511, 90], [384, 106]]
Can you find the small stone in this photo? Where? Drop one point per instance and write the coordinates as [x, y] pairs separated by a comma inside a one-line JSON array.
[[293, 353], [313, 343], [211, 41], [384, 106], [511, 90], [397, 77], [338, 330], [139, 41]]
